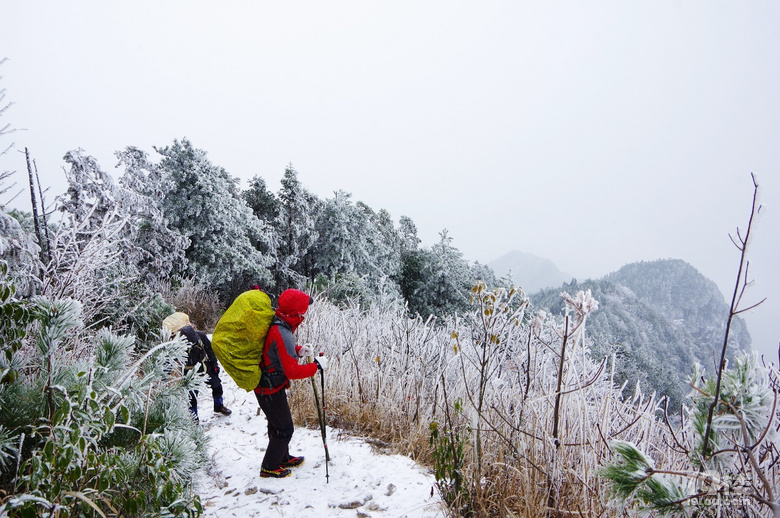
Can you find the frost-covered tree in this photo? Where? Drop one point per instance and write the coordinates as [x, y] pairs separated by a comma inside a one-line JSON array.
[[409, 242], [91, 197], [295, 227], [384, 245], [412, 261], [156, 249], [261, 200], [342, 237], [485, 273], [90, 243], [357, 249], [19, 251], [205, 205], [112, 244], [446, 280], [265, 207]]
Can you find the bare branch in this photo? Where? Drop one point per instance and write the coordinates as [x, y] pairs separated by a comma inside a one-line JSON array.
[[732, 313]]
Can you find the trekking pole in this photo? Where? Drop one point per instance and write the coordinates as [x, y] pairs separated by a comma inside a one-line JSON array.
[[321, 417]]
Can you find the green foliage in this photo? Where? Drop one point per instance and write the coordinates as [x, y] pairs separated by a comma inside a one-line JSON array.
[[632, 476], [447, 446], [76, 437], [14, 318], [741, 418], [295, 227], [631, 469], [262, 201], [143, 320], [412, 279], [745, 398]]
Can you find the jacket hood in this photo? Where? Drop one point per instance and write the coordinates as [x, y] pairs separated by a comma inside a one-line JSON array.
[[292, 306]]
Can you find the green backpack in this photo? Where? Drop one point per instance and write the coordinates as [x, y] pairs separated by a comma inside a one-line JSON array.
[[239, 337]]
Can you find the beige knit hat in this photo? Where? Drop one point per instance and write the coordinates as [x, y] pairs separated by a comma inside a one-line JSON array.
[[176, 321]]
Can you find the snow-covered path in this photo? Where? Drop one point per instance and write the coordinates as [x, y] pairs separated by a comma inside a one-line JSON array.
[[362, 483]]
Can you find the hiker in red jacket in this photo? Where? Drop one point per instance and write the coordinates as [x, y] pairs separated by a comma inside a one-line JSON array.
[[279, 366]]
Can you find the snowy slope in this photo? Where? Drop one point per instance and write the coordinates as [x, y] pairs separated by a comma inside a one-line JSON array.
[[361, 483]]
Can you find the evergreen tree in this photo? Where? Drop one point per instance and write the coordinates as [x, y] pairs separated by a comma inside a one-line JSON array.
[[91, 197], [341, 229], [413, 267], [384, 248], [446, 280], [156, 249], [262, 201], [409, 242], [411, 264], [265, 207], [295, 227], [205, 205], [358, 248], [484, 273]]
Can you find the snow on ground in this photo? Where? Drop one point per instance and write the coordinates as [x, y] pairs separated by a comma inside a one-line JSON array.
[[362, 482]]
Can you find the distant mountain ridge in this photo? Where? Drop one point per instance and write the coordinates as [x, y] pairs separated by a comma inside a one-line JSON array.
[[658, 317], [529, 272]]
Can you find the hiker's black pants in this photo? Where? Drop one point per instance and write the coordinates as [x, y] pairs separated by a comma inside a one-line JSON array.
[[280, 427], [216, 390]]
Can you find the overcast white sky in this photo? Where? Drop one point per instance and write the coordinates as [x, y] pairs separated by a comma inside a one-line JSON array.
[[591, 133]]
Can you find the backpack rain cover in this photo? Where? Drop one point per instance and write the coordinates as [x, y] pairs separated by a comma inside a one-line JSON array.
[[239, 337]]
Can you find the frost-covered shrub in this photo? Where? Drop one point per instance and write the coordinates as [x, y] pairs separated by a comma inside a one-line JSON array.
[[15, 316], [19, 251], [727, 463], [736, 476], [144, 320], [194, 298], [109, 433], [532, 428]]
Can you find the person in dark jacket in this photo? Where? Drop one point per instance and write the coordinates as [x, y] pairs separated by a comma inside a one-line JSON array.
[[200, 356], [279, 366]]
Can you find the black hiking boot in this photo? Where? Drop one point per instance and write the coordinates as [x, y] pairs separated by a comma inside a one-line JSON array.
[[222, 409]]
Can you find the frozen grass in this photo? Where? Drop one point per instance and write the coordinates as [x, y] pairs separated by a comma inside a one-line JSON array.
[[387, 376]]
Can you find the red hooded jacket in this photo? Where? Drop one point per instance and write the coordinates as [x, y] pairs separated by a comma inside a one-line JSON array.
[[280, 354]]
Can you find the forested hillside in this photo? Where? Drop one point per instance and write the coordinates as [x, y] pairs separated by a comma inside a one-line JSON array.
[[659, 318]]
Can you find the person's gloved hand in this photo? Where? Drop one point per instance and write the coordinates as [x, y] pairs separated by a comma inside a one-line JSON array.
[[305, 351], [322, 363]]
